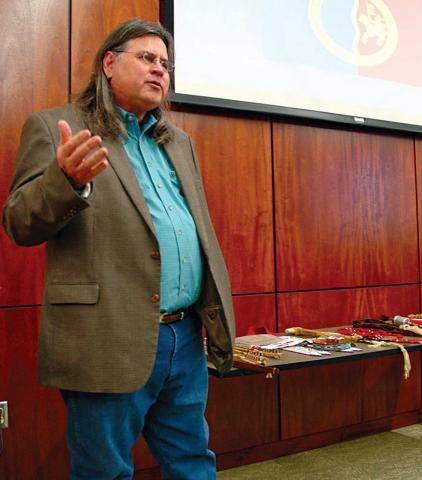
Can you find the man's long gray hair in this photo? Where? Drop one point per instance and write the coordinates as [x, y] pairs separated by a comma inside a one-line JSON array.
[[97, 100]]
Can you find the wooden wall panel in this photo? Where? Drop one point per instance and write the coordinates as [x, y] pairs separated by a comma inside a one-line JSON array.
[[347, 394], [33, 77], [142, 457], [101, 16], [317, 399], [254, 311], [418, 162], [34, 443], [235, 156], [339, 307], [242, 412], [345, 208], [385, 390]]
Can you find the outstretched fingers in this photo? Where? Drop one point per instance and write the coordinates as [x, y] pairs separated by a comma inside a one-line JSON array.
[[80, 156]]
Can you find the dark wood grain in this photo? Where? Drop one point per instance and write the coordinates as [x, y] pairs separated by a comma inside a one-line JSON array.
[[242, 412], [316, 440], [253, 311], [35, 442], [21, 273], [328, 308], [235, 156], [34, 76], [385, 390], [92, 21], [142, 456], [329, 397], [317, 399], [345, 208], [418, 172]]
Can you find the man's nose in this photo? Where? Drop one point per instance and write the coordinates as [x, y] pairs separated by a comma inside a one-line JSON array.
[[158, 68]]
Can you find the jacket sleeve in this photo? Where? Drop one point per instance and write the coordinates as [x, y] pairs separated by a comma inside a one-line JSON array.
[[41, 200]]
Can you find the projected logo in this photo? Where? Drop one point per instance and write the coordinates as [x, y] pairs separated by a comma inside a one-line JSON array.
[[375, 30]]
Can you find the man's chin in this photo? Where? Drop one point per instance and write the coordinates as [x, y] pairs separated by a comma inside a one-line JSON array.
[[153, 101]]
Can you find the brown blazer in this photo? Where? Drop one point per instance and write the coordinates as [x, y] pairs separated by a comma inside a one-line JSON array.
[[99, 324]]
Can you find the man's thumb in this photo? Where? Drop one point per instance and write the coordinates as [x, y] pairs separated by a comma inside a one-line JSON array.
[[65, 131]]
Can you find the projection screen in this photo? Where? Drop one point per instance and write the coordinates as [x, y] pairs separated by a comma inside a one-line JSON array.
[[352, 61]]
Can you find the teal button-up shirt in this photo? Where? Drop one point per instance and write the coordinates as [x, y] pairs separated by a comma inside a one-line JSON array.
[[180, 250]]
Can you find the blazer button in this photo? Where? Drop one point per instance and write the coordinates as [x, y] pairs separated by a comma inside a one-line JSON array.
[[155, 297], [155, 254]]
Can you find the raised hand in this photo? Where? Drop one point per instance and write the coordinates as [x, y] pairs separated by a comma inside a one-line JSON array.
[[80, 156]]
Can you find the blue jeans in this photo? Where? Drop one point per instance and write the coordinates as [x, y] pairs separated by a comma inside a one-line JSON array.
[[169, 411]]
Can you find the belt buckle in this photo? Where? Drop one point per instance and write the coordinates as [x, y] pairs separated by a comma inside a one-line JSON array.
[[181, 315]]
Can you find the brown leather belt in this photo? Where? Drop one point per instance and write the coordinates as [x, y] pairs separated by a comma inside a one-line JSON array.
[[173, 317]]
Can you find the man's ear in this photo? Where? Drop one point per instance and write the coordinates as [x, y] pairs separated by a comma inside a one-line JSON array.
[[108, 62]]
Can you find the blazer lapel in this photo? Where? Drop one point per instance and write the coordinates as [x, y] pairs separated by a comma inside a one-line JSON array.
[[121, 165]]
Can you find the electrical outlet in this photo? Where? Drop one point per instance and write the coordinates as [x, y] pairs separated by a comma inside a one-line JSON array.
[[4, 415]]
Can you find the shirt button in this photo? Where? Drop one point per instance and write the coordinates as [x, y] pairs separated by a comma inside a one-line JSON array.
[[170, 208], [155, 254], [179, 232], [185, 260], [159, 185], [155, 297]]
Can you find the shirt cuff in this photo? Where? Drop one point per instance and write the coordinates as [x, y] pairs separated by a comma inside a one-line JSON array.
[[85, 191]]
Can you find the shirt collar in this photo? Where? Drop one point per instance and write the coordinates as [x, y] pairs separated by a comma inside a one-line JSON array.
[[133, 128]]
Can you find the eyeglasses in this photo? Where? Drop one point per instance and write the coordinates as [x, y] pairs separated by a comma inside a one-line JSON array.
[[150, 59]]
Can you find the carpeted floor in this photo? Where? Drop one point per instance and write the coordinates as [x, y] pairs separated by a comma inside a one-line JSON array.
[[395, 455]]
